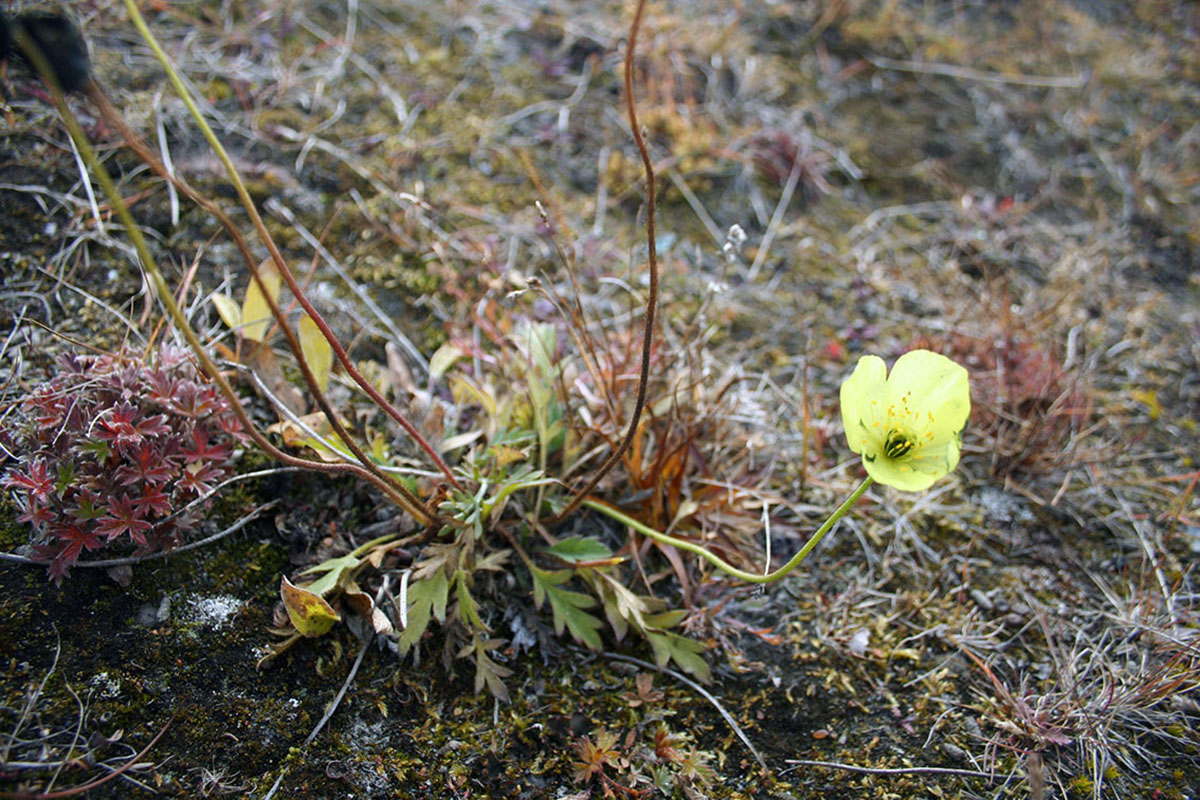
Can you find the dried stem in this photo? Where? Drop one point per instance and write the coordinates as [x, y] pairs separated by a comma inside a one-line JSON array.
[[155, 276], [131, 139], [652, 256], [276, 256], [87, 787]]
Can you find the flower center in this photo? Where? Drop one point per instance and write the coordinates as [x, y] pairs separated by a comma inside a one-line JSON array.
[[898, 444]]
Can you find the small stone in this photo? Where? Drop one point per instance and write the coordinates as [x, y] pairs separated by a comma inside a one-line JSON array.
[[164, 610], [146, 615], [973, 728], [982, 600], [954, 752]]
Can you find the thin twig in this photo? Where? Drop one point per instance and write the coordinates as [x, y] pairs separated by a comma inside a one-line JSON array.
[[967, 74], [328, 712], [31, 699], [652, 263], [280, 263], [966, 773], [785, 200], [394, 487], [341, 692], [87, 787], [120, 562], [701, 212], [168, 300]]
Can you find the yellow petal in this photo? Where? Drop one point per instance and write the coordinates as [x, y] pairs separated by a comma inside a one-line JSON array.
[[926, 399], [861, 394], [900, 475], [934, 386], [228, 310]]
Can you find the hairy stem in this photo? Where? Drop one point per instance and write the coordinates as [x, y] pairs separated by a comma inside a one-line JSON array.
[[117, 120]]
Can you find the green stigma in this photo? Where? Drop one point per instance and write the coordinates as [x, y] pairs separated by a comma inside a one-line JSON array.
[[898, 444]]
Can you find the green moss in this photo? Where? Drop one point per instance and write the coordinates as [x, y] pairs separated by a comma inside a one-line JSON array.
[[13, 534], [1081, 786]]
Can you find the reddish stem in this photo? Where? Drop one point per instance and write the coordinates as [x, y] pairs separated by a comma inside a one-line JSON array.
[[652, 299]]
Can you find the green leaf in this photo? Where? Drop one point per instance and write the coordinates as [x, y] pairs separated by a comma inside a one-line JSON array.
[[488, 672], [440, 595], [580, 548], [541, 340], [96, 448], [426, 599], [442, 359], [683, 651], [66, 477], [621, 606], [467, 607], [493, 561], [665, 619], [336, 570], [464, 391], [568, 606]]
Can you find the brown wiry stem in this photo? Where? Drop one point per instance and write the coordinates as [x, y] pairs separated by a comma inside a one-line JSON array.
[[87, 787], [652, 299], [165, 296], [131, 139], [276, 256]]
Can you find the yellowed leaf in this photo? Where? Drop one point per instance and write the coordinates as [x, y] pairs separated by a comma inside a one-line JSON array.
[[296, 436], [316, 350], [443, 358], [461, 440], [1148, 398], [464, 392], [227, 310], [256, 311], [266, 365], [507, 454], [686, 509], [308, 611]]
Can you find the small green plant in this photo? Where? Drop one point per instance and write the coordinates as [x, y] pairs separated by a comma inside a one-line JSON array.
[[907, 426], [113, 449], [652, 763], [497, 513]]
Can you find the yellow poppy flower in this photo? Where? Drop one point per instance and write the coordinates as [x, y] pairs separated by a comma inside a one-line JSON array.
[[907, 426]]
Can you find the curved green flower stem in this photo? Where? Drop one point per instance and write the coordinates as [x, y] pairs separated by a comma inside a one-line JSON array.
[[144, 153], [717, 561], [286, 273], [155, 276]]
